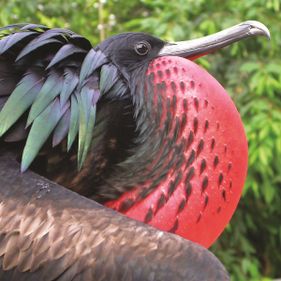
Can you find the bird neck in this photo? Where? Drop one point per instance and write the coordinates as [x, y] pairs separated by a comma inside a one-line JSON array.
[[156, 153]]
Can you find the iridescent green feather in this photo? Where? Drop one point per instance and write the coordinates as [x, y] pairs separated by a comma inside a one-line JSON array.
[[69, 84], [20, 100], [62, 128], [87, 114], [41, 128], [9, 41], [50, 90], [74, 122], [63, 95], [108, 77], [65, 52]]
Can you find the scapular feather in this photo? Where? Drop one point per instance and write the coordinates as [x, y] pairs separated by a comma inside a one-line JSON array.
[[11, 40], [20, 100], [10, 27], [80, 41], [62, 99], [93, 61], [36, 27], [74, 122], [41, 128], [50, 90], [65, 52], [62, 128], [31, 47], [69, 84], [87, 114], [55, 33], [108, 77]]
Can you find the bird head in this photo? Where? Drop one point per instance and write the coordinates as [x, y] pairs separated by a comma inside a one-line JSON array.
[[130, 51]]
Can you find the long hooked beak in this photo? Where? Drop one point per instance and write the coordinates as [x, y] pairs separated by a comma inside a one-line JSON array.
[[198, 47]]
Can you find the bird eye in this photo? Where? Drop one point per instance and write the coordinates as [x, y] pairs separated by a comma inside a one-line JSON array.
[[142, 48]]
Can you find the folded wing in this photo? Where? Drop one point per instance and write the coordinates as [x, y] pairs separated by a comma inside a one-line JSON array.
[[51, 81]]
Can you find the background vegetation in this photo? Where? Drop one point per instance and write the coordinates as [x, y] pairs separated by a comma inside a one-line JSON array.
[[250, 247]]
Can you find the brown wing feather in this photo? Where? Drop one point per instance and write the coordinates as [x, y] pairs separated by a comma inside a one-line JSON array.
[[50, 233]]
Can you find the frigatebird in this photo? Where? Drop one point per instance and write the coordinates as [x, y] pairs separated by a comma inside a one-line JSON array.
[[156, 138]]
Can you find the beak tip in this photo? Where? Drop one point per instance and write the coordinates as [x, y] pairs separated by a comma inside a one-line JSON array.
[[257, 28]]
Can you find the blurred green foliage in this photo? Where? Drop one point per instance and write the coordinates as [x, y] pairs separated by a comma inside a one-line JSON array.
[[250, 247]]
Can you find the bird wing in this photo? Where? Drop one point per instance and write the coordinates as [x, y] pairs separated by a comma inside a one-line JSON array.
[[50, 233], [51, 81]]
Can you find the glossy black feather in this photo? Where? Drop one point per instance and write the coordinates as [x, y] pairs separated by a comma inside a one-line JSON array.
[[65, 52], [69, 67], [9, 41]]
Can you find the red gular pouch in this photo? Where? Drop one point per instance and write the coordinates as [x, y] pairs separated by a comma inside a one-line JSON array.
[[207, 154]]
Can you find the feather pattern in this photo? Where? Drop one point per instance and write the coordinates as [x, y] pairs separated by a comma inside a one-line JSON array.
[[87, 111], [93, 61], [20, 99], [40, 131], [74, 120], [62, 128], [108, 77], [52, 233], [69, 84], [59, 87], [8, 42], [34, 46], [65, 52]]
